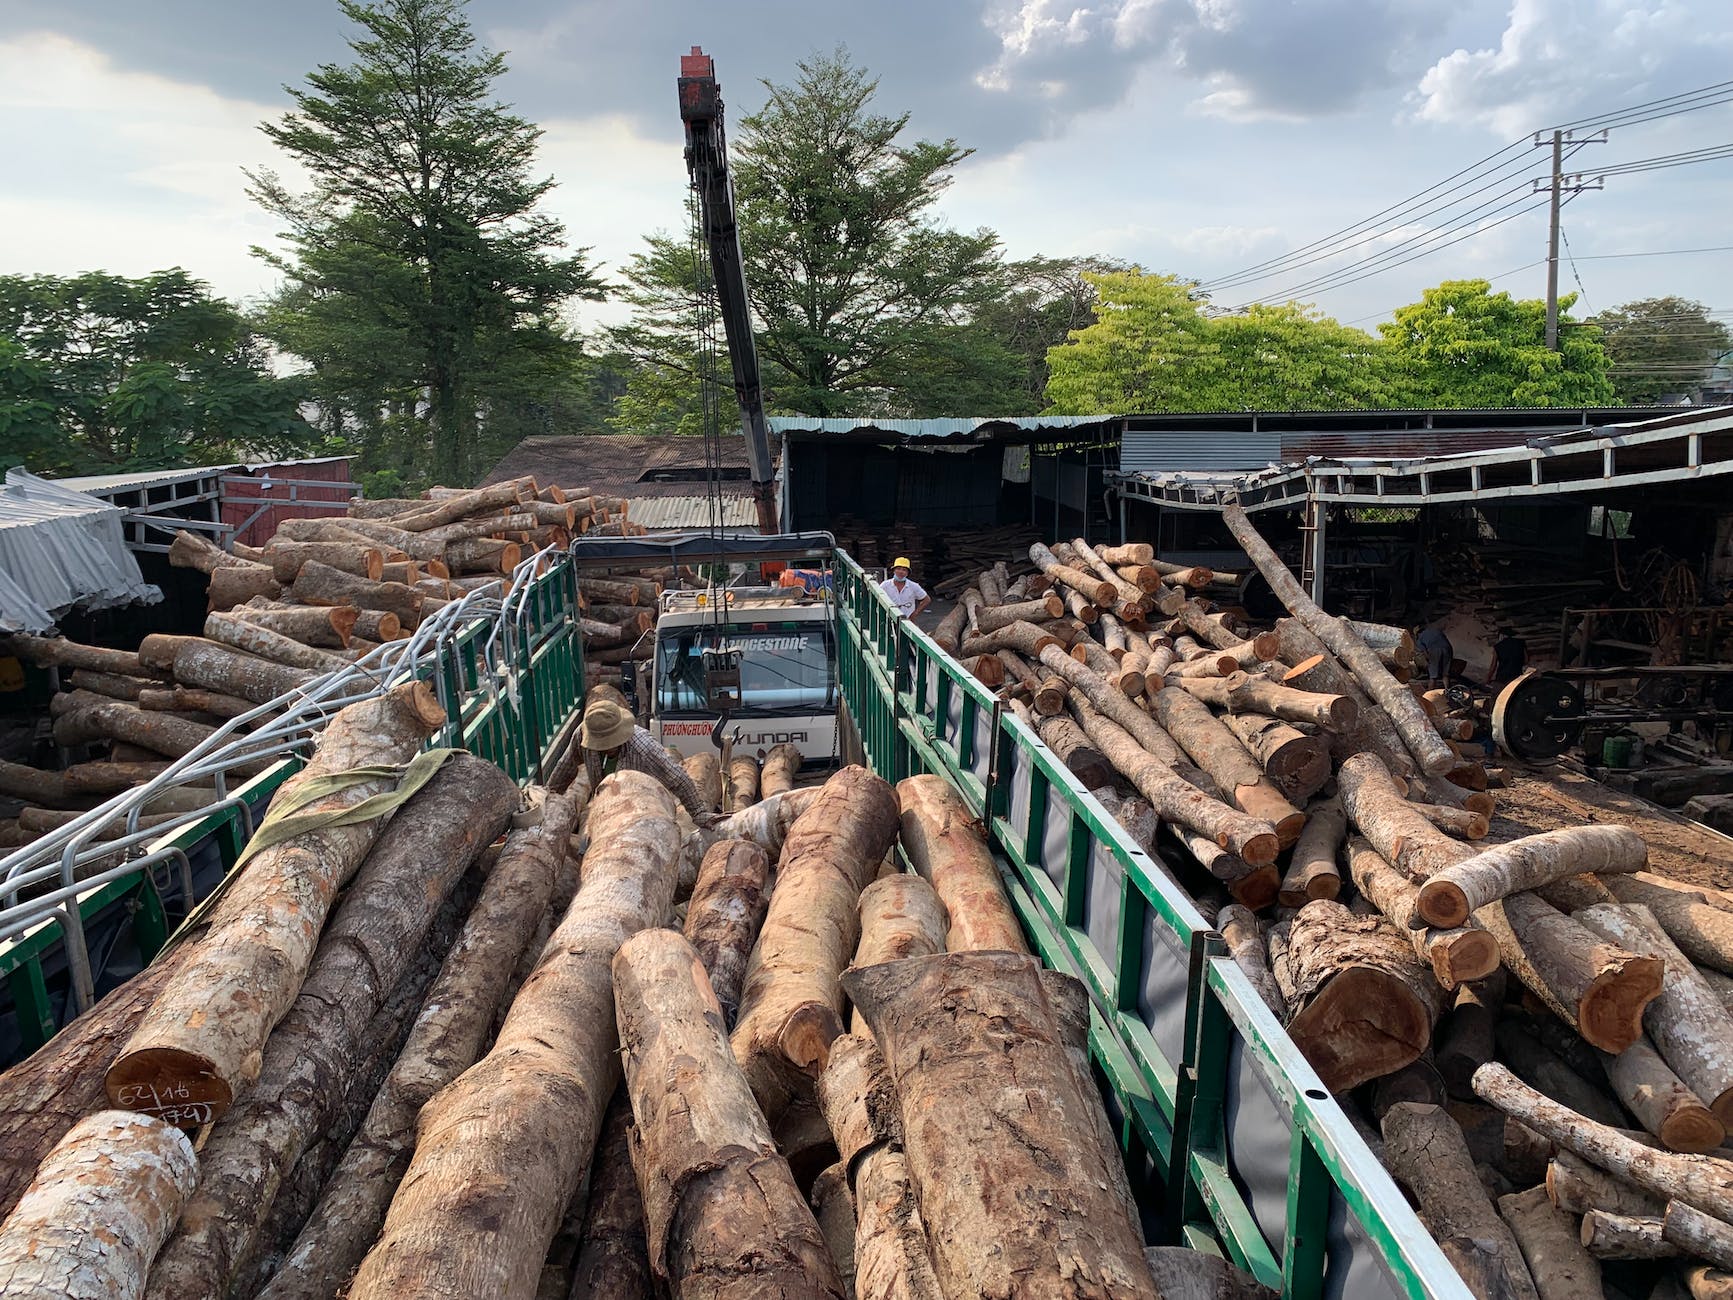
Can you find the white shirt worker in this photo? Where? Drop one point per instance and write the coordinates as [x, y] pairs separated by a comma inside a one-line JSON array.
[[905, 594]]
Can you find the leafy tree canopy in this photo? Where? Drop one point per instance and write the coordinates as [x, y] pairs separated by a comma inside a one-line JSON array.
[[423, 284], [1660, 348], [101, 373]]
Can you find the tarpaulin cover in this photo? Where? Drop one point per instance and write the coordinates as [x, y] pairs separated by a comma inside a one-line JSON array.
[[60, 549]]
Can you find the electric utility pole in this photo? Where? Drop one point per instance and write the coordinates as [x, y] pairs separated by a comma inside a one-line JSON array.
[[1576, 183]]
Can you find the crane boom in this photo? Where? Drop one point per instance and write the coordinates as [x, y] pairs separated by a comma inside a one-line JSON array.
[[707, 161]]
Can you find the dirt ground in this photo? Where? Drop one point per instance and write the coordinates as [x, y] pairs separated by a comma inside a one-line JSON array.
[[1683, 849]]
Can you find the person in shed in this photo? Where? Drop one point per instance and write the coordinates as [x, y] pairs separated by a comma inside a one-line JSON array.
[[909, 597]]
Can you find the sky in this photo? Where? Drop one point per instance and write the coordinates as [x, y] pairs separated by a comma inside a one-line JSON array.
[[1197, 137]]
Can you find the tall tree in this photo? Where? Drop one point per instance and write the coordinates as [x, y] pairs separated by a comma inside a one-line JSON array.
[[1148, 349], [1287, 356], [419, 263], [1661, 348], [863, 301], [1462, 345], [1042, 300], [99, 372]]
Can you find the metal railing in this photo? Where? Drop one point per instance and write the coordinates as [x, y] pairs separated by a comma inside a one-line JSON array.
[[506, 663], [1232, 1139]]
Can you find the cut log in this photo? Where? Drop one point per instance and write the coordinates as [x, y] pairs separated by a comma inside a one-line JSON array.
[[614, 1260], [781, 767], [1298, 764], [476, 501], [99, 1207], [326, 626], [1253, 887], [742, 782], [725, 913], [1455, 956], [110, 684], [286, 558], [256, 639], [989, 1102], [1520, 1048], [1245, 942], [1619, 1236], [228, 671], [1130, 553], [190, 1056], [705, 769], [39, 787], [1023, 637], [107, 777], [900, 916], [1661, 1101], [320, 584], [833, 1206], [1557, 1262], [1703, 931], [1462, 822], [994, 617], [1698, 1235], [1066, 739], [454, 1024], [1687, 1022], [1576, 1187], [236, 584], [1218, 751], [1428, 748], [1101, 693], [1449, 896], [158, 733], [196, 700], [1425, 1151], [1251, 694], [1312, 870], [190, 550], [56, 652], [1406, 839], [791, 1004], [1359, 1004], [948, 634], [1096, 590], [723, 1215], [945, 845], [511, 1140]]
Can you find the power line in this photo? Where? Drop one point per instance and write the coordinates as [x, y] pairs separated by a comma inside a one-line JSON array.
[[1684, 102], [1657, 252]]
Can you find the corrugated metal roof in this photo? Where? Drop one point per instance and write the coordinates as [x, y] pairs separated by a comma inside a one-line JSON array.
[[60, 548], [98, 484], [959, 426], [633, 465], [690, 512], [1184, 449]]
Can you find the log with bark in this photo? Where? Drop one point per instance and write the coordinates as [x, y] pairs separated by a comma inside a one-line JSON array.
[[1218, 751], [222, 668], [320, 584], [1359, 1003], [426, 515], [994, 617], [989, 1102], [56, 652], [1245, 940], [791, 1003], [613, 1261], [1661, 1101], [1096, 590], [780, 769], [110, 684], [500, 1151], [1102, 694], [705, 769], [236, 584], [944, 843], [1450, 895], [286, 558], [1025, 638], [257, 639], [1559, 1266], [1697, 1234], [1313, 871], [725, 914], [328, 626], [1520, 1047], [1066, 739], [154, 732], [191, 550], [1576, 1186], [1704, 931], [1426, 1152], [1456, 954], [723, 1216], [100, 1205], [1428, 749], [742, 782], [193, 1053], [833, 1205], [1046, 693], [1620, 1236], [1298, 764], [1411, 843]]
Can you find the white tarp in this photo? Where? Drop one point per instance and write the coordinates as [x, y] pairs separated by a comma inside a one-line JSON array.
[[60, 549]]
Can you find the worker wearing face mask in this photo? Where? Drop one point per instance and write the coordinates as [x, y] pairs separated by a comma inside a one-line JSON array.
[[909, 597]]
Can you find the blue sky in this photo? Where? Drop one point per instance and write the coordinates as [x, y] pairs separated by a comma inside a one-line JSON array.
[[1192, 136]]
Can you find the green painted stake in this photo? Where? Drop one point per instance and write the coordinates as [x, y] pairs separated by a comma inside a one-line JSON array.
[[35, 1013], [1308, 1220]]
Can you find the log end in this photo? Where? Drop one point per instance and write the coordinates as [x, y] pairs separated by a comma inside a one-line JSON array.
[[1610, 1013], [806, 1035], [343, 620], [176, 1086], [1363, 1024], [1257, 889], [1259, 849], [1469, 956], [1055, 604], [420, 699], [1443, 903], [1266, 646], [1693, 1130]]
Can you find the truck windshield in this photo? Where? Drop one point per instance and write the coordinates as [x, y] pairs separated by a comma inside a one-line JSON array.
[[780, 668]]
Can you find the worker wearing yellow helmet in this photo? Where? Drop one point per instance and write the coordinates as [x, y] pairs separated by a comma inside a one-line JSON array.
[[909, 597]]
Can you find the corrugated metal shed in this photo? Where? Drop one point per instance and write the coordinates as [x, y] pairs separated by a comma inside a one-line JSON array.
[[690, 513], [137, 480], [59, 549], [1152, 451]]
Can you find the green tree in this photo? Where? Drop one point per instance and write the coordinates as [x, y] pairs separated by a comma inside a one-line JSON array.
[[1462, 345], [1149, 349], [1660, 347], [1287, 356], [1042, 301], [419, 265], [99, 372], [863, 302]]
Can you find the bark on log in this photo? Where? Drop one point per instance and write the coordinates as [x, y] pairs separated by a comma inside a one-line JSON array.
[[1100, 693], [454, 1024], [320, 584], [473, 502], [1703, 931], [1449, 896], [33, 784], [1698, 1235], [945, 845], [791, 1004], [327, 626], [1023, 637], [1360, 1005], [108, 777], [833, 1206], [1520, 1048], [766, 823], [742, 782], [192, 1057], [1425, 1151], [1430, 752], [1097, 591], [1557, 1263], [1687, 1022], [1463, 822], [725, 914], [614, 1260], [56, 652], [1702, 1182], [1066, 739], [236, 584], [1245, 942], [781, 767], [989, 1102], [286, 558], [190, 550], [994, 617], [1619, 1236], [705, 769], [99, 1207], [1313, 871], [500, 1152], [1406, 839], [1298, 764], [1129, 553], [1260, 695], [256, 639], [1597, 987], [228, 671], [110, 684], [384, 919], [723, 1215], [159, 733], [194, 699], [1218, 751], [1661, 1101], [948, 634], [1576, 1186]]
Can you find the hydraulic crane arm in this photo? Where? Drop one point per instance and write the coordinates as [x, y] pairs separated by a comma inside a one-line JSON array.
[[707, 161]]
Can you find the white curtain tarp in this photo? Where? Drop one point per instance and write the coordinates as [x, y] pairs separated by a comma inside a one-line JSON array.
[[60, 549]]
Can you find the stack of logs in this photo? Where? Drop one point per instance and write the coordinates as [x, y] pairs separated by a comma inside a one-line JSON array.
[[754, 1059], [320, 594], [1328, 814], [619, 609]]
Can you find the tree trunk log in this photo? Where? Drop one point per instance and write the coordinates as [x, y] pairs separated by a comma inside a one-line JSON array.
[[108, 778], [320, 584], [725, 914], [781, 768], [1101, 693], [286, 558], [1462, 822], [1251, 694], [1129, 553], [994, 617], [256, 639], [742, 782], [454, 1024], [56, 652], [1427, 747], [1698, 1235], [1521, 1049], [189, 550], [236, 584], [1576, 1187], [1661, 1101], [948, 635], [614, 1260], [33, 784], [500, 1152], [791, 1005], [1359, 1003], [1218, 751], [1702, 930], [1406, 839], [945, 845], [1687, 1022], [723, 1215], [986, 1110], [1097, 591], [1313, 870], [192, 1054], [1066, 739], [1246, 942], [109, 684], [1298, 764], [103, 1200], [1468, 1039], [228, 671], [833, 1205], [159, 733], [195, 699], [705, 769], [435, 514], [327, 626], [1023, 637], [1426, 1152], [1449, 896], [1559, 1266], [1619, 1236]]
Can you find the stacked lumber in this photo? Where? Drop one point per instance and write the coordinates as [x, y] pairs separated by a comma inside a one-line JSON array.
[[619, 609]]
